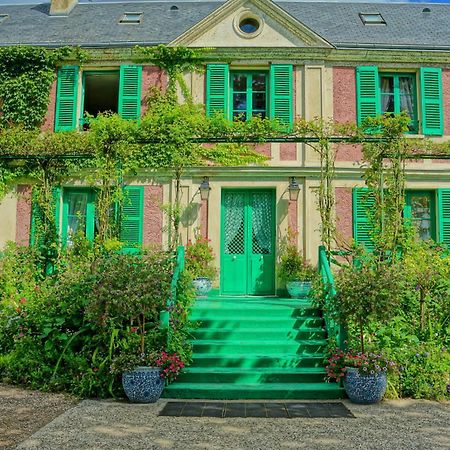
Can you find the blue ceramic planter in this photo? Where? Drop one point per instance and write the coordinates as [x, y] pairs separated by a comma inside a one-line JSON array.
[[202, 286], [143, 384], [364, 388], [298, 289]]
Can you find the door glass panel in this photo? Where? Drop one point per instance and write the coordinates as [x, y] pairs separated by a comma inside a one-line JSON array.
[[76, 216], [234, 233], [421, 215], [261, 223]]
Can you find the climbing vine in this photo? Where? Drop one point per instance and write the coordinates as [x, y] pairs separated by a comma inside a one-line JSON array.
[[26, 76]]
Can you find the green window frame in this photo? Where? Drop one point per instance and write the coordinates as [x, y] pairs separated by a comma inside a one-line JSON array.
[[398, 94], [69, 216], [83, 121], [243, 91], [415, 200]]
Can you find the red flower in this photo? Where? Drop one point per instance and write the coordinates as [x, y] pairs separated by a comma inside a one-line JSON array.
[[23, 300]]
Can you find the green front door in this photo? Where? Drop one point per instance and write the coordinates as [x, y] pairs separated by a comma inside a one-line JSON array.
[[247, 263]]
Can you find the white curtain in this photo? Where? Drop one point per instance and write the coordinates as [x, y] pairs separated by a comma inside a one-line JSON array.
[[406, 96], [234, 218], [261, 223]]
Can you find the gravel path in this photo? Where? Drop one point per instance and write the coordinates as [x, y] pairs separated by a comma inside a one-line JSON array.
[[24, 412], [392, 425]]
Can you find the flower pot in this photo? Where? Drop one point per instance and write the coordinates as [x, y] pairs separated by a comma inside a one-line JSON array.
[[143, 384], [364, 388], [202, 286], [298, 289]]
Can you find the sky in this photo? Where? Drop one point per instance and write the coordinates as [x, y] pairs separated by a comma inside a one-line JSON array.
[[28, 2]]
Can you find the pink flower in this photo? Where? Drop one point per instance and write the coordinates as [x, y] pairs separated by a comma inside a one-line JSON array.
[[23, 300]]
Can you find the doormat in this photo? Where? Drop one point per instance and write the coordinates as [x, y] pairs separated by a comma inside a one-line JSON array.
[[256, 409]]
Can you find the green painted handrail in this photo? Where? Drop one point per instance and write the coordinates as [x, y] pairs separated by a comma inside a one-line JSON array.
[[164, 316], [336, 332]]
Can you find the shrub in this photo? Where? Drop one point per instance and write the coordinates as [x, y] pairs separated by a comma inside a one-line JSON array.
[[200, 258]]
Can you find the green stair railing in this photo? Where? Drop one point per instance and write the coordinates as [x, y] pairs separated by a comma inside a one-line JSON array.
[[164, 316], [336, 332]]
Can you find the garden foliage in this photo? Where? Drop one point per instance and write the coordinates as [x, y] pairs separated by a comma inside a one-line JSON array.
[[63, 332]]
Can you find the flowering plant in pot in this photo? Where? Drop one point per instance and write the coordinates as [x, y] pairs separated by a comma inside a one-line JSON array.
[[364, 374], [296, 272], [199, 264]]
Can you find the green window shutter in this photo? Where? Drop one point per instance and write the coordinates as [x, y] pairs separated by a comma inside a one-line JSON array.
[[443, 197], [130, 92], [132, 218], [281, 94], [431, 99], [367, 92], [37, 218], [362, 228], [217, 89], [66, 98]]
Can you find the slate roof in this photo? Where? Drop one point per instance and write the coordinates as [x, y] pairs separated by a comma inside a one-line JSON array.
[[96, 24]]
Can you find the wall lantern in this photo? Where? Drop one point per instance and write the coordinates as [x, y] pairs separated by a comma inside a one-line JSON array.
[[294, 190], [204, 188]]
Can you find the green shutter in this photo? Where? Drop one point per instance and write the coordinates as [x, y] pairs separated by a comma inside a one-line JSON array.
[[37, 217], [362, 228], [66, 98], [217, 89], [130, 92], [443, 196], [431, 98], [367, 92], [132, 218], [281, 95]]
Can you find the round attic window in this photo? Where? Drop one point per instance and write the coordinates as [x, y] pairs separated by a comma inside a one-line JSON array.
[[249, 25]]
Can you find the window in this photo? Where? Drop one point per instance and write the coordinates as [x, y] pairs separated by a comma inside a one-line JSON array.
[[100, 93], [427, 210], [398, 93], [131, 18], [116, 91], [244, 94], [3, 17], [420, 210], [248, 95], [420, 94], [372, 19], [78, 214]]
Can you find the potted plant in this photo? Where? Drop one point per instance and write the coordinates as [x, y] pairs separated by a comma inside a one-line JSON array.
[[364, 375], [144, 376], [296, 272], [199, 264]]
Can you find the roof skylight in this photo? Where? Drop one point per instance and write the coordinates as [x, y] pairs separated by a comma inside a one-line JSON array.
[[3, 17], [372, 19], [131, 18]]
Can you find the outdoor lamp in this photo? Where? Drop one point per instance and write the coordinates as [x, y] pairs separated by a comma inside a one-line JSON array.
[[294, 190], [204, 188]]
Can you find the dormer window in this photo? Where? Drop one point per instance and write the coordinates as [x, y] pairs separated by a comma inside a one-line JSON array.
[[372, 19], [3, 17], [131, 18]]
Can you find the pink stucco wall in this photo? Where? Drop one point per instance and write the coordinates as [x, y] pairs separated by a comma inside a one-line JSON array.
[[288, 151], [153, 216], [344, 222], [292, 215], [348, 152], [151, 76], [446, 99], [23, 214], [49, 121], [265, 149]]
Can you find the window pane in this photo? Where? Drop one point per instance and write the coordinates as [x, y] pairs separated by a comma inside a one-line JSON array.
[[240, 102], [238, 115], [387, 85], [259, 101], [239, 83], [421, 215], [259, 82], [76, 215], [260, 114], [387, 103]]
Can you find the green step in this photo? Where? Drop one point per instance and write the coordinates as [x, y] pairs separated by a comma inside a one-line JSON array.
[[250, 313], [260, 347], [255, 361], [252, 375], [277, 391], [266, 323], [261, 333]]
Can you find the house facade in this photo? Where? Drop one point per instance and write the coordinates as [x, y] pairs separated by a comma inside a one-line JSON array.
[[337, 61]]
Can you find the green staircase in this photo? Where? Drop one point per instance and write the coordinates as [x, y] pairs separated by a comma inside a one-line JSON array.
[[256, 348]]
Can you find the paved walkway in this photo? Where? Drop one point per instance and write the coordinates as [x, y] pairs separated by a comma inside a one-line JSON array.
[[112, 425]]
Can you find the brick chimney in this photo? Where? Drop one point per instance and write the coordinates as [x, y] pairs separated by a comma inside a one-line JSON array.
[[62, 7]]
